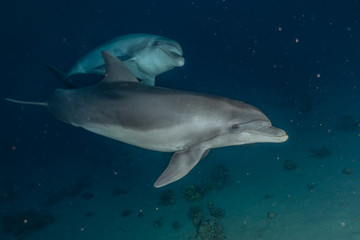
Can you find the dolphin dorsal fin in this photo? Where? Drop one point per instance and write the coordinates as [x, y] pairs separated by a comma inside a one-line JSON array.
[[116, 71]]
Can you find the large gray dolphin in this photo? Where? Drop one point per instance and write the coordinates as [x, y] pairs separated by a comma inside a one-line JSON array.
[[146, 56], [189, 124]]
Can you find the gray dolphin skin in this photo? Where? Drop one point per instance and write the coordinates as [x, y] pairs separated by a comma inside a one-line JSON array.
[[189, 124], [145, 55]]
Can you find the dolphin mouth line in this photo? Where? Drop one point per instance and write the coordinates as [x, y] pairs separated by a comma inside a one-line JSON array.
[[273, 138], [173, 54], [259, 132]]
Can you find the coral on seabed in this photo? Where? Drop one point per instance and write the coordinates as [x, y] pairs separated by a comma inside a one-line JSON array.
[[126, 213], [192, 193], [215, 211], [216, 181], [87, 195], [267, 196], [158, 223], [89, 214], [195, 214], [347, 170], [140, 213], [117, 190], [175, 225], [209, 229], [167, 197], [322, 152], [289, 165], [271, 215], [347, 123], [311, 187], [218, 178]]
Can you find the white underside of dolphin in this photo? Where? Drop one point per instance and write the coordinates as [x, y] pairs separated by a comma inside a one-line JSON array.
[[189, 124]]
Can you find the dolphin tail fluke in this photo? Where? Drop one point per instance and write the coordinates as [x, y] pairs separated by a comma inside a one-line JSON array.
[[43, 104], [61, 75]]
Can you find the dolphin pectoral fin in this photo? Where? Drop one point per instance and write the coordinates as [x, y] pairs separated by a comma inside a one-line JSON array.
[[125, 58], [148, 81], [61, 76], [180, 164], [99, 69]]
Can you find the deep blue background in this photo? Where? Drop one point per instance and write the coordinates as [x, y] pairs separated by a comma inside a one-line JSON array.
[[232, 48]]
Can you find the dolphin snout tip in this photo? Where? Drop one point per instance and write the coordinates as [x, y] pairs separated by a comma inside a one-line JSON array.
[[278, 134], [284, 137], [180, 62]]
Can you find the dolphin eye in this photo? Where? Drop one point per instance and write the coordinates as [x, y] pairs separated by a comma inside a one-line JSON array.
[[156, 44], [235, 127]]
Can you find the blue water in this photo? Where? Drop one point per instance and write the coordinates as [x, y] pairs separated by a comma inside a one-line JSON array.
[[299, 62]]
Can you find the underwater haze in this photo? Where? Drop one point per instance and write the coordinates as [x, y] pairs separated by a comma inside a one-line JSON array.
[[297, 61]]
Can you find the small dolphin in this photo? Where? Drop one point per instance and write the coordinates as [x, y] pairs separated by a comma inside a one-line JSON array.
[[146, 56], [189, 124]]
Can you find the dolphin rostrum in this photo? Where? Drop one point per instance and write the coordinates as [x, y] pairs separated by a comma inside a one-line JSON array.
[[145, 55], [189, 124]]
